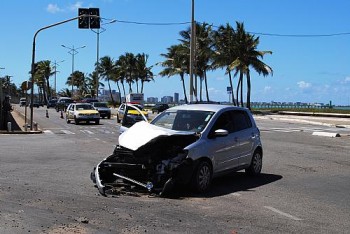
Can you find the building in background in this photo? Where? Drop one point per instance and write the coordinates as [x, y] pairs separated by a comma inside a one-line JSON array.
[[152, 100], [167, 99], [176, 97]]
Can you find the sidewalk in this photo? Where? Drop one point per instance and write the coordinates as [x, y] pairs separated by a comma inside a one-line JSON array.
[[18, 118], [325, 119]]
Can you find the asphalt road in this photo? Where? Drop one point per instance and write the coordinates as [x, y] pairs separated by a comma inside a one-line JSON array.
[[45, 185]]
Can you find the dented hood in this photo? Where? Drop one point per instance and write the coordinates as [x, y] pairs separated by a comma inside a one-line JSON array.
[[143, 132]]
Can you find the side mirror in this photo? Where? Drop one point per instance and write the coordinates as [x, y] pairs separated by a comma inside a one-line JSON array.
[[220, 133]]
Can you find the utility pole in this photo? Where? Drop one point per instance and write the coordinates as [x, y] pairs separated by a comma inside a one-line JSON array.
[[192, 46], [55, 64], [98, 32]]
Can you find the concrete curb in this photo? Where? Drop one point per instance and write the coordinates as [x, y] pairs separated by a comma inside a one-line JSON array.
[[20, 120]]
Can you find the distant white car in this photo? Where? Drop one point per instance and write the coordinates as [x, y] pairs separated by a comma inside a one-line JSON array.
[[79, 112]]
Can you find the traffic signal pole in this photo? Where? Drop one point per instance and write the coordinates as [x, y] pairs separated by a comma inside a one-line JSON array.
[[33, 59]]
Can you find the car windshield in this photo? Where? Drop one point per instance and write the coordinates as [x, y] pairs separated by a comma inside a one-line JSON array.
[[100, 104], [84, 107], [184, 120]]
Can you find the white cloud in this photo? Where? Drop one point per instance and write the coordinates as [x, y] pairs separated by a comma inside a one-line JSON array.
[[75, 6], [267, 88], [53, 8], [347, 80], [304, 85]]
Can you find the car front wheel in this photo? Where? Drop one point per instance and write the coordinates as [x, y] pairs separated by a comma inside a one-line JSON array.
[[256, 164], [202, 177]]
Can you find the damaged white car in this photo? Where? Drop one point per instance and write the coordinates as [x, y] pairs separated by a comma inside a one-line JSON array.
[[184, 145]]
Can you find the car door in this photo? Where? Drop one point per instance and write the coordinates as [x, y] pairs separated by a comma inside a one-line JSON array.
[[121, 112], [130, 118], [245, 134], [70, 111], [224, 148]]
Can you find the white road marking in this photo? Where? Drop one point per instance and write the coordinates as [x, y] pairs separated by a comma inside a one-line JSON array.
[[48, 132], [67, 132], [283, 213], [87, 131]]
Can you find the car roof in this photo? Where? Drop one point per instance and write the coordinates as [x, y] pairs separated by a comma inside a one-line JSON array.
[[82, 103], [206, 107]]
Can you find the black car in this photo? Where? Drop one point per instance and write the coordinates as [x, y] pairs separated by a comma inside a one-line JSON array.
[[159, 108], [51, 103], [63, 103]]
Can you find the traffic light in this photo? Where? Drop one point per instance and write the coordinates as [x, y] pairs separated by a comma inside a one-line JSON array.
[[83, 22], [94, 21]]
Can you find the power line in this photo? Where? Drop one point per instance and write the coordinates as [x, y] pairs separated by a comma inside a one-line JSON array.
[[301, 35], [256, 33], [151, 23]]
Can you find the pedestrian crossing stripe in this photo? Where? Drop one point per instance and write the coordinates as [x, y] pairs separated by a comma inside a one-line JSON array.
[[67, 132]]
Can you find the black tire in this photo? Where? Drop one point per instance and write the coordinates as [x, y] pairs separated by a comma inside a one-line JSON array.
[[97, 122], [118, 120], [76, 121], [109, 117], [202, 177], [256, 164], [67, 120]]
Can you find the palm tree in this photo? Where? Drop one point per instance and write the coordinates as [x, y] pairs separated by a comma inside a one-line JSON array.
[[46, 70], [225, 51], [106, 68], [204, 52], [39, 80], [91, 79], [77, 79], [121, 73], [144, 73], [176, 63], [248, 56]]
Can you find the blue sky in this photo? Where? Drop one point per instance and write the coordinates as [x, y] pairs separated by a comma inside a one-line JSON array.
[[306, 69]]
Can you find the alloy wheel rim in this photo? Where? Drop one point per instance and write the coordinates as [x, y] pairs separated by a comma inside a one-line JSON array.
[[204, 177], [257, 162]]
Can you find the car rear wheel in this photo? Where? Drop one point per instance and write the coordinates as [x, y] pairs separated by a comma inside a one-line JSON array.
[[256, 164], [67, 120], [202, 177]]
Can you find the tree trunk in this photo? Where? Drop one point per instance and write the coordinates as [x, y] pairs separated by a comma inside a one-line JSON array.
[[232, 93], [184, 87], [48, 87], [206, 85], [44, 92], [120, 99], [200, 88], [123, 88], [237, 90], [110, 92], [248, 90], [241, 78]]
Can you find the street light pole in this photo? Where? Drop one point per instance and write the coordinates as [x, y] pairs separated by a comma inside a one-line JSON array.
[[192, 45], [73, 51], [98, 32], [55, 67]]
